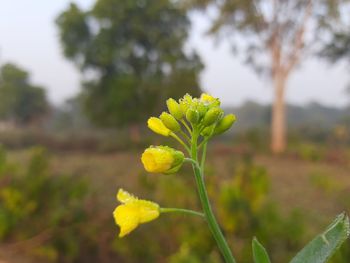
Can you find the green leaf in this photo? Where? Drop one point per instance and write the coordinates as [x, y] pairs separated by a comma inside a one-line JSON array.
[[320, 249], [259, 252]]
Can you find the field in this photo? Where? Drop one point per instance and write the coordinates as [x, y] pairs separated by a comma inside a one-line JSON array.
[[303, 193]]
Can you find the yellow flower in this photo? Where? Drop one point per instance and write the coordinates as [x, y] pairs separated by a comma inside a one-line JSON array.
[[156, 125], [162, 159], [133, 212], [208, 99]]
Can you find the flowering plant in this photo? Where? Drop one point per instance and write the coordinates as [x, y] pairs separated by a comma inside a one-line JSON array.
[[193, 122]]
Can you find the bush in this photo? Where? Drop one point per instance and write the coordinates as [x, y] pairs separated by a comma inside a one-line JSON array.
[[40, 212]]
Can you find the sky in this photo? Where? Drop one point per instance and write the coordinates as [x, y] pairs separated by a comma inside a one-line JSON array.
[[29, 38]]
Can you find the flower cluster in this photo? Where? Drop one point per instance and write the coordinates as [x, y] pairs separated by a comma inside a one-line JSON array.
[[203, 114], [188, 120]]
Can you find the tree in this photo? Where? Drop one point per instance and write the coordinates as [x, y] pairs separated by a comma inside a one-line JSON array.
[[278, 34], [20, 101], [133, 52], [337, 48]]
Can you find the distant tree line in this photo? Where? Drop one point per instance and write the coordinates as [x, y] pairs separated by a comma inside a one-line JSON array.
[[21, 102]]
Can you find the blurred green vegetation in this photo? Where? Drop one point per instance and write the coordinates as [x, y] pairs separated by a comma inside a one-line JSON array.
[[20, 102], [40, 212], [50, 215]]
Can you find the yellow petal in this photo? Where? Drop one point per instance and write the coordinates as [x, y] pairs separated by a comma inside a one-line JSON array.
[[125, 197], [156, 125], [148, 211], [127, 218], [157, 160], [207, 98]]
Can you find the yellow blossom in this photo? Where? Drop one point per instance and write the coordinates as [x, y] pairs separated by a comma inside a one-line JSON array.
[[208, 99], [156, 125], [162, 159], [133, 212]]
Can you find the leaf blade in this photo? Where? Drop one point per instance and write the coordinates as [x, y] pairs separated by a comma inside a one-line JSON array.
[[259, 252], [323, 246]]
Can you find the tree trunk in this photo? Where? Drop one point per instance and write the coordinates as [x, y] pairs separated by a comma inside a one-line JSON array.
[[135, 133], [278, 123]]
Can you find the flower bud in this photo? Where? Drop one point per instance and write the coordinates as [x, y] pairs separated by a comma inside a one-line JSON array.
[[185, 103], [212, 116], [202, 109], [156, 125], [207, 131], [170, 122], [225, 124], [174, 108], [192, 116], [162, 159]]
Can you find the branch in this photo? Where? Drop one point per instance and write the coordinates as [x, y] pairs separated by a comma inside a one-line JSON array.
[[297, 48]]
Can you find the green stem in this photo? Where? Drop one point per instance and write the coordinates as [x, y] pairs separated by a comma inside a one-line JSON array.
[[180, 141], [204, 153], [209, 215], [185, 136], [186, 126], [206, 139], [193, 162], [181, 210]]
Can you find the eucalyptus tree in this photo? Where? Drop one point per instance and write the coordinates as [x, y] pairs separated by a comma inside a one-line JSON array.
[[275, 36], [337, 46]]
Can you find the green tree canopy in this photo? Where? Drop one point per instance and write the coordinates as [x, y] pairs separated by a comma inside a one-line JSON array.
[[337, 48], [20, 101], [132, 56]]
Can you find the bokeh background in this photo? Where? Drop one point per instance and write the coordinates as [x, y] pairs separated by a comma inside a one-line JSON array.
[[79, 79]]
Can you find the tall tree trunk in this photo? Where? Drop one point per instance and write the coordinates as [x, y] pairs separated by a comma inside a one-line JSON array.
[[278, 123], [135, 133]]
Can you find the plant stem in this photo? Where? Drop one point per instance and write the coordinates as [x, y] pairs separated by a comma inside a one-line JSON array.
[[203, 195], [186, 126], [185, 136], [181, 210], [180, 141], [204, 154]]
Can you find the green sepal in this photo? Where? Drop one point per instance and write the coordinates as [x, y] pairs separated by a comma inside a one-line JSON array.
[[224, 124], [207, 131], [179, 158], [170, 122], [192, 116], [212, 116]]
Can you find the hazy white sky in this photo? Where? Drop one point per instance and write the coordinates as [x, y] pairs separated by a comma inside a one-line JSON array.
[[28, 37]]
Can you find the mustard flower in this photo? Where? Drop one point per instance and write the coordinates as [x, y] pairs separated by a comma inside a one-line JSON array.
[[133, 212], [162, 159]]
